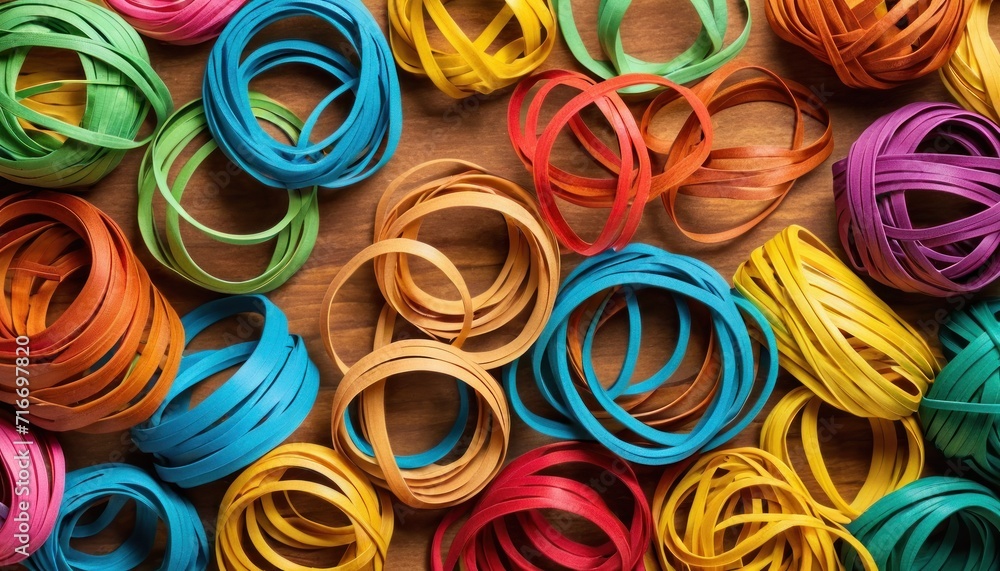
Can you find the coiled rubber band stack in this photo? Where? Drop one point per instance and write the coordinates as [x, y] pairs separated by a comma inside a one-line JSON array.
[[107, 361], [254, 410], [834, 335], [890, 162], [468, 67], [182, 22], [626, 417], [251, 509], [351, 153], [969, 72], [122, 90]]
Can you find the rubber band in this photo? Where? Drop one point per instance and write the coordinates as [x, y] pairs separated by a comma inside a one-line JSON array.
[[32, 480], [893, 465], [960, 414], [66, 103], [744, 509], [294, 235], [525, 500], [181, 22], [872, 45], [254, 410], [891, 162], [761, 173], [625, 417], [358, 148], [633, 184], [251, 509], [833, 333], [122, 89], [708, 52], [466, 66], [108, 488], [933, 523], [446, 475], [530, 272], [976, 60], [107, 361]]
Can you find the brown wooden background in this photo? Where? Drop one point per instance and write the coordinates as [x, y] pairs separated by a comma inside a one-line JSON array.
[[439, 127]]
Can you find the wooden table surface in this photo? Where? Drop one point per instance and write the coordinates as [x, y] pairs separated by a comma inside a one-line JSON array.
[[439, 127]]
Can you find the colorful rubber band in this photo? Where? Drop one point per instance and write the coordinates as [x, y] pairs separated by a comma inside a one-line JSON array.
[[181, 22], [937, 150], [893, 465], [708, 52], [32, 480], [359, 147], [122, 90], [933, 523], [255, 409], [467, 65], [834, 334], [744, 509], [968, 74], [108, 488], [107, 361], [250, 509], [960, 414], [525, 500], [876, 44], [294, 235], [740, 378]]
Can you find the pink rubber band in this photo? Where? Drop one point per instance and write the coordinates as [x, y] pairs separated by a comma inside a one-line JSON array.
[[182, 22]]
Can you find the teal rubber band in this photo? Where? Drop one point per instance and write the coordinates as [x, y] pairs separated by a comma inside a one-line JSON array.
[[366, 140], [636, 267], [109, 488]]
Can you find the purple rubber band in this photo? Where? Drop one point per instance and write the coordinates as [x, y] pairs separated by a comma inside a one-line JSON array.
[[931, 147]]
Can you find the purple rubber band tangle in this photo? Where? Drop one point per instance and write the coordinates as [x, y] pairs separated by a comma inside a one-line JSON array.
[[940, 150]]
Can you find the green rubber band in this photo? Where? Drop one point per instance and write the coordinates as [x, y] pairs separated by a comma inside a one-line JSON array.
[[122, 89], [295, 234], [708, 53]]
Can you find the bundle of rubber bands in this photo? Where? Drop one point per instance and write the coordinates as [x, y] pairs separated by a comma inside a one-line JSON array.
[[945, 153], [294, 235], [969, 72], [182, 22], [933, 523], [107, 360], [357, 148], [744, 508], [759, 173], [254, 410], [708, 52], [874, 44], [530, 273], [892, 467], [267, 506], [961, 413], [109, 489], [521, 520], [32, 479], [75, 149], [629, 417], [467, 65], [834, 334]]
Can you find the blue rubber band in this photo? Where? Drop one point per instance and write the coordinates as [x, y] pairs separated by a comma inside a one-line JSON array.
[[110, 487], [362, 145], [628, 271], [256, 409]]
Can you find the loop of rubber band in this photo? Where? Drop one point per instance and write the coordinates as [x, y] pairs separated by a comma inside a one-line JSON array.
[[969, 72], [181, 22]]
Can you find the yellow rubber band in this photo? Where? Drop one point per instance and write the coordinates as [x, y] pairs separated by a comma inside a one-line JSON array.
[[972, 71]]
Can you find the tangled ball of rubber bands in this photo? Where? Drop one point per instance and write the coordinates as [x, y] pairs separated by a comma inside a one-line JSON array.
[[875, 44], [746, 494], [833, 333], [947, 153], [106, 362], [181, 22], [468, 66], [969, 73]]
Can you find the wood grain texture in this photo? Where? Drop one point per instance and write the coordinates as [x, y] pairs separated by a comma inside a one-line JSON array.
[[439, 127]]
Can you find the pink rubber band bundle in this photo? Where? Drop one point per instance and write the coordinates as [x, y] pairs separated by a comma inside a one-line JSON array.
[[181, 22], [31, 488]]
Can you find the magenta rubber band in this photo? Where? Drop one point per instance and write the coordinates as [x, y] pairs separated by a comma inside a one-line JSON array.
[[182, 22]]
